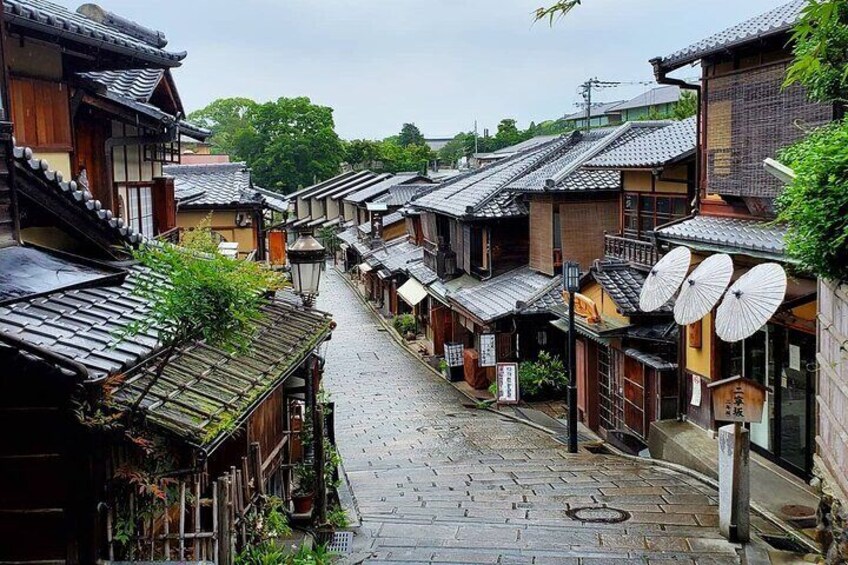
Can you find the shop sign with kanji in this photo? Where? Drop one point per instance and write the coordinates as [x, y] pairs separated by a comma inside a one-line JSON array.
[[738, 400], [507, 378]]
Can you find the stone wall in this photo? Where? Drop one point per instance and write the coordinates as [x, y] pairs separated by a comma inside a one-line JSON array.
[[832, 431]]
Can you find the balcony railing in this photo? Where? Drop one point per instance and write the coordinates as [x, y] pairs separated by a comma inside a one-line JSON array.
[[638, 253]]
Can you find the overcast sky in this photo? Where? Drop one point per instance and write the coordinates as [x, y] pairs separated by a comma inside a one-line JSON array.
[[438, 63]]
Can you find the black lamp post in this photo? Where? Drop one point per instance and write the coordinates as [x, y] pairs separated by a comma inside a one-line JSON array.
[[571, 283], [306, 257]]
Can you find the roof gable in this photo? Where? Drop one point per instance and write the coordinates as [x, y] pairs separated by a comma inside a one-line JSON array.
[[213, 185], [664, 145]]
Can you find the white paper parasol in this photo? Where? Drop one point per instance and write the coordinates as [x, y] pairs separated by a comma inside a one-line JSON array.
[[750, 302], [702, 289], [664, 279]]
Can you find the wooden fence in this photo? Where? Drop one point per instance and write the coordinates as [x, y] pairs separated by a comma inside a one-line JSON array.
[[195, 519]]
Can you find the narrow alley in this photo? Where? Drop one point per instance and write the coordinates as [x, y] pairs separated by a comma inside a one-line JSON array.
[[438, 481]]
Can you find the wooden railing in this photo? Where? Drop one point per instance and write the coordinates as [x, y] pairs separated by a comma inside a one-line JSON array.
[[636, 252]]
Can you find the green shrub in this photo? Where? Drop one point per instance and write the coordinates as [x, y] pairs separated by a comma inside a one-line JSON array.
[[338, 517], [543, 378], [815, 205], [405, 323]]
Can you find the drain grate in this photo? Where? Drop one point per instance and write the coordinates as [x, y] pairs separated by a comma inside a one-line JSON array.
[[598, 515], [341, 543], [784, 543]]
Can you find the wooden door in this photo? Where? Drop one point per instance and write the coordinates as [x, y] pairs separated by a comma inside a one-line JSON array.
[[634, 396]]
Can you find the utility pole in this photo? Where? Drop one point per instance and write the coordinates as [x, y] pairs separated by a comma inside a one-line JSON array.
[[475, 137]]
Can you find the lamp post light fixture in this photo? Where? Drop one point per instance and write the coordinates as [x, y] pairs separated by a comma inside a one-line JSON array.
[[306, 257], [571, 284]]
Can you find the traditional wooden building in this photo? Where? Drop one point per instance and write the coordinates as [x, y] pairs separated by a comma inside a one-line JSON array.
[[746, 115], [225, 194]]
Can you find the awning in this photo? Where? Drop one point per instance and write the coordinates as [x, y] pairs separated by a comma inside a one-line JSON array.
[[412, 292], [384, 274], [364, 268]]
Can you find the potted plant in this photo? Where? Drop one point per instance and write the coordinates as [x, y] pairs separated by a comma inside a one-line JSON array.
[[303, 493]]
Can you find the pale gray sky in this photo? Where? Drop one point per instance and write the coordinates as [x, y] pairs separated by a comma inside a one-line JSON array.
[[438, 63]]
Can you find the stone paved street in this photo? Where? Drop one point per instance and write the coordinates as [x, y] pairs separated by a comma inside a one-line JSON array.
[[439, 482]]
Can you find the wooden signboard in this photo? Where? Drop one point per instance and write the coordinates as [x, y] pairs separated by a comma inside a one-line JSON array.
[[584, 307], [454, 354], [738, 400], [488, 353], [507, 379]]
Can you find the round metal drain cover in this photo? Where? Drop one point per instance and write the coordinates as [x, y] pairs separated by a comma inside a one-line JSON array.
[[598, 515]]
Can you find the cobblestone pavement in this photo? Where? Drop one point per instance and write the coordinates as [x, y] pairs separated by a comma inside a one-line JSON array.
[[438, 482]]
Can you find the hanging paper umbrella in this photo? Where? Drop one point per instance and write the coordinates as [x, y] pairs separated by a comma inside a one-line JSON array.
[[702, 289], [750, 302], [664, 279]]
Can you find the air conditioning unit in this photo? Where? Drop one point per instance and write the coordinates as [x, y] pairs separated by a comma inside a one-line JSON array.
[[243, 219]]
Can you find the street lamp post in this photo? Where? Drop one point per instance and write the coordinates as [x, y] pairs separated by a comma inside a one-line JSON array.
[[306, 257], [571, 283]]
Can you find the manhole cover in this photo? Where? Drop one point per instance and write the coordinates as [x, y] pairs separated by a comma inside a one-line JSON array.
[[598, 515], [340, 543]]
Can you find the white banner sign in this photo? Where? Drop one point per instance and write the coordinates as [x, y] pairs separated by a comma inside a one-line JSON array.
[[453, 354], [507, 378], [488, 353]]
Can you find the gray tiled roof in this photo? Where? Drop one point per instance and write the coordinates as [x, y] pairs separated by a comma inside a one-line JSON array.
[[135, 84], [222, 184], [421, 272], [651, 360], [403, 194], [349, 235], [81, 324], [518, 147], [667, 94], [396, 255], [75, 196], [479, 192], [666, 144], [547, 302], [342, 177], [730, 235], [349, 187], [774, 21], [273, 200], [388, 220], [501, 295], [597, 110], [623, 284], [566, 165], [47, 17], [369, 193]]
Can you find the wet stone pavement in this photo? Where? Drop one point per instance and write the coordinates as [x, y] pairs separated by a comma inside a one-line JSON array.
[[438, 482]]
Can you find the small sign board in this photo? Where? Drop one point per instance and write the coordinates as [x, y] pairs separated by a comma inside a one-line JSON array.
[[488, 352], [507, 379], [738, 400], [453, 354]]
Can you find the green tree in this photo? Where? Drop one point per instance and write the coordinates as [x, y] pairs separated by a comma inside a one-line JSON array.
[[410, 135], [226, 118], [462, 145], [509, 134], [289, 143], [205, 297], [362, 152], [820, 49], [686, 106], [556, 10]]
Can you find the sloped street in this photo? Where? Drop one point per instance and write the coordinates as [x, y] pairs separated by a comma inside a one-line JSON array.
[[437, 481]]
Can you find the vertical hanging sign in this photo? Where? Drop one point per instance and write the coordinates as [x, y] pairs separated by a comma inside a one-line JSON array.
[[488, 352], [507, 379], [453, 354]]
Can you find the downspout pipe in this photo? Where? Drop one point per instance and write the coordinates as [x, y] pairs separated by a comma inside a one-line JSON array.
[[76, 368], [662, 78]]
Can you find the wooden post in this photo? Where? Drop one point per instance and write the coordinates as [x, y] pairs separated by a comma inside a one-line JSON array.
[[318, 447], [225, 532], [199, 545], [167, 528], [256, 463], [216, 536]]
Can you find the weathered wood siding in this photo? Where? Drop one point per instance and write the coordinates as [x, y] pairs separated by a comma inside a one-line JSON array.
[[832, 397], [541, 236], [583, 226]]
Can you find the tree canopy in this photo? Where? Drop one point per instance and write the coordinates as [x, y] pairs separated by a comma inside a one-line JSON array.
[[287, 143], [410, 135]]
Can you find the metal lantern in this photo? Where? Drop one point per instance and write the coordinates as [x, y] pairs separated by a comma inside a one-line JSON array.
[[306, 257], [571, 276]]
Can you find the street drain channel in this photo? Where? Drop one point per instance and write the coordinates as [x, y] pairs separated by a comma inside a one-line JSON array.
[[785, 543], [598, 515], [340, 543]]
